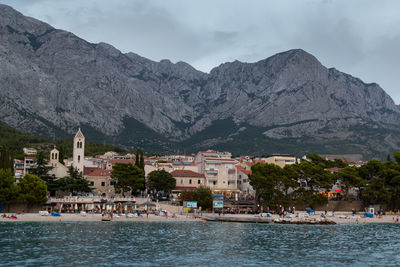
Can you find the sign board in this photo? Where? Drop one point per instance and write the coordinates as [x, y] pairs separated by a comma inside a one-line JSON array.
[[218, 204], [190, 204]]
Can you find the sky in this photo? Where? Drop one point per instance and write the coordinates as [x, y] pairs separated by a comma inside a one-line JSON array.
[[359, 37]]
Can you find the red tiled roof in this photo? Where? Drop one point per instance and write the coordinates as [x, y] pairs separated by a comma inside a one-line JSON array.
[[87, 170], [98, 172], [239, 168], [186, 173], [245, 172]]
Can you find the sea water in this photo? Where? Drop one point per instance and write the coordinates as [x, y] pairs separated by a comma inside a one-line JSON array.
[[196, 244]]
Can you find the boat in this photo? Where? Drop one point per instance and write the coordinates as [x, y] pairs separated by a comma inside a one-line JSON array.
[[106, 217]]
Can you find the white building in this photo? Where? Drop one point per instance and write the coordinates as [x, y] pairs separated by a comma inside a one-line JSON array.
[[29, 151], [59, 170], [78, 157]]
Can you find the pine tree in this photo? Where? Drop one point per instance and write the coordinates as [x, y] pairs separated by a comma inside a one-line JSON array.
[[141, 161], [6, 159]]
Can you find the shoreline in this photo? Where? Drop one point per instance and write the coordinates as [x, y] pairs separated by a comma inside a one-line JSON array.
[[245, 218], [72, 217]]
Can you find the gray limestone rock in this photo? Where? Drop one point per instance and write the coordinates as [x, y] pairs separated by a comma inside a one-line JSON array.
[[51, 79]]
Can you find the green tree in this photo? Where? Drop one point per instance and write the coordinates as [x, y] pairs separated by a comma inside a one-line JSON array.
[[314, 180], [161, 181], [6, 159], [74, 183], [349, 177], [267, 180], [129, 178], [61, 154], [33, 190], [397, 157], [139, 161], [42, 169], [186, 196], [372, 170], [203, 196], [317, 159], [392, 183], [8, 190], [377, 192]]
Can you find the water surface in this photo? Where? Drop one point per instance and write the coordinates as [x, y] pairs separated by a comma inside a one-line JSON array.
[[196, 243]]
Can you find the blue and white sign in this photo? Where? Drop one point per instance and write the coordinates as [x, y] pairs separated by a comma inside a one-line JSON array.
[[191, 204], [218, 204]]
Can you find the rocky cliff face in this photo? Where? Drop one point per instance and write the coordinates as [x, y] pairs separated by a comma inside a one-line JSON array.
[[51, 81]]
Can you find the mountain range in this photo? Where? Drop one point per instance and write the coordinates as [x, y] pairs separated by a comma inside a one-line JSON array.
[[52, 82]]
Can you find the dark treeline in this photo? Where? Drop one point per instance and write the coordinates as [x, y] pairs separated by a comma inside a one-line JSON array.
[[308, 182], [30, 190]]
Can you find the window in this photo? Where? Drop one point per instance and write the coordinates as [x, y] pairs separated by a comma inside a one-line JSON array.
[[198, 181], [79, 158], [190, 181], [214, 182], [181, 181], [77, 144], [103, 183], [91, 183]]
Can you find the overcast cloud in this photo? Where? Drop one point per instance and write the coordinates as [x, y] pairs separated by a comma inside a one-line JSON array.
[[361, 38]]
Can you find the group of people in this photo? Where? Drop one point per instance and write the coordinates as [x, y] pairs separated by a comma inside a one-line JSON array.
[[12, 216]]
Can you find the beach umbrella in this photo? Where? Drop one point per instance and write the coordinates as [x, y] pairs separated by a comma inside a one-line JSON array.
[[148, 204], [128, 204], [109, 203]]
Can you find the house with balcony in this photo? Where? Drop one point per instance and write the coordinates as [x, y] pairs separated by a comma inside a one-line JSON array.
[[244, 182], [221, 175], [29, 163]]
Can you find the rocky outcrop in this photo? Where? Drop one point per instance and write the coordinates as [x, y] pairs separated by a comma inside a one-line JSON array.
[[51, 81]]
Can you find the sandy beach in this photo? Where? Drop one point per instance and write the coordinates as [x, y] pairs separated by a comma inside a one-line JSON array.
[[71, 217]]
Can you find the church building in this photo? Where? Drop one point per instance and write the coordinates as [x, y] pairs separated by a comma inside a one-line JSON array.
[[78, 155]]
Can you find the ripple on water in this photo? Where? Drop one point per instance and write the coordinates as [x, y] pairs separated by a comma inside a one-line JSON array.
[[196, 243]]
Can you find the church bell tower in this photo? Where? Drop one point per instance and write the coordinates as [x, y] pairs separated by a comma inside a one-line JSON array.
[[79, 151]]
